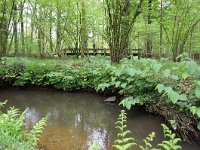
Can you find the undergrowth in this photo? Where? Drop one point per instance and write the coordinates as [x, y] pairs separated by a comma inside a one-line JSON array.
[[164, 84]]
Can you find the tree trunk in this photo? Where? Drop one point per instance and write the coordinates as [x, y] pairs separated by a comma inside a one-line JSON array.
[[3, 30], [161, 26], [50, 32], [149, 43], [83, 29], [15, 30], [22, 26], [58, 31], [119, 26]]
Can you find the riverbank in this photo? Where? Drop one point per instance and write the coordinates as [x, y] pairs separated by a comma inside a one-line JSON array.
[[168, 89]]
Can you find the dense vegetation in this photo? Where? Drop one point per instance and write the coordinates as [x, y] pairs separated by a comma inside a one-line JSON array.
[[168, 86], [45, 28], [169, 89]]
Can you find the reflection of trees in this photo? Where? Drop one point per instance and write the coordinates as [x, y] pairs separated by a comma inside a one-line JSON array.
[[77, 113]]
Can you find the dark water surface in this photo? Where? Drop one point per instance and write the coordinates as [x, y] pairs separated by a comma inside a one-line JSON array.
[[78, 119]]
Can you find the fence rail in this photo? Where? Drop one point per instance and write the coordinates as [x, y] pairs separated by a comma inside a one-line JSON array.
[[98, 51]]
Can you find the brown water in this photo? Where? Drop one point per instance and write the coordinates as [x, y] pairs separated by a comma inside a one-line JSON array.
[[78, 119]]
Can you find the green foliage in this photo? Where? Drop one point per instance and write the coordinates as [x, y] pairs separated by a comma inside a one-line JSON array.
[[95, 146], [123, 142], [172, 141], [13, 132], [147, 142], [141, 81], [130, 101]]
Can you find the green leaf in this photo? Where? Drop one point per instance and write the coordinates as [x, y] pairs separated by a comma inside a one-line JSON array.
[[198, 112], [185, 75], [166, 72], [160, 88], [173, 124], [183, 97], [156, 67], [198, 126], [197, 91], [191, 67], [124, 85], [168, 89], [193, 110], [174, 97], [131, 71], [174, 77]]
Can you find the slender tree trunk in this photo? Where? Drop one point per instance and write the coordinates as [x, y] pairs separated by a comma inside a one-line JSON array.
[[161, 26], [190, 50], [40, 33], [58, 31], [15, 30], [22, 26], [50, 32], [149, 43], [83, 29], [3, 29]]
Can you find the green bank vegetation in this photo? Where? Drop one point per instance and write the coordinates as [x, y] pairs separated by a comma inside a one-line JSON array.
[[169, 89], [168, 86]]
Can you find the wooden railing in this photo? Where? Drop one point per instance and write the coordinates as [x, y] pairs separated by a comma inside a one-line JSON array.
[[98, 51]]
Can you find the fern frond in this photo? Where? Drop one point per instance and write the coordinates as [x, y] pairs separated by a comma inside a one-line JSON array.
[[123, 142], [172, 141], [38, 129]]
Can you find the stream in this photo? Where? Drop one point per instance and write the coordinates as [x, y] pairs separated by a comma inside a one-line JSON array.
[[78, 119]]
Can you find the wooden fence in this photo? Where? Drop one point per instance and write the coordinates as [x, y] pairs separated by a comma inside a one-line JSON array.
[[99, 51]]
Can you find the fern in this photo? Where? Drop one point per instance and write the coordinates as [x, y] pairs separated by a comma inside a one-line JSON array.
[[123, 142], [13, 135], [37, 130], [2, 104], [95, 146], [147, 141], [172, 141]]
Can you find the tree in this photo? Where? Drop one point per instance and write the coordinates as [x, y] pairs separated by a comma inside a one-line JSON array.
[[180, 18], [6, 11], [121, 16]]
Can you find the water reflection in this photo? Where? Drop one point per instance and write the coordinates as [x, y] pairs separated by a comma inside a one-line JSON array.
[[78, 119]]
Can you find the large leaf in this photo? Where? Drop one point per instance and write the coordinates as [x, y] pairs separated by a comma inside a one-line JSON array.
[[157, 67], [198, 126], [197, 91], [191, 67], [174, 96], [131, 71], [160, 88], [166, 72], [183, 97], [185, 75]]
